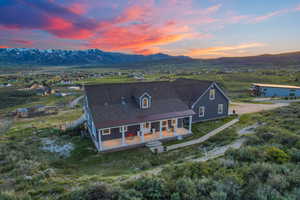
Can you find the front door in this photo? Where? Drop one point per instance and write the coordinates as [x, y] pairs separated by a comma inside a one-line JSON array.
[[146, 127], [164, 125]]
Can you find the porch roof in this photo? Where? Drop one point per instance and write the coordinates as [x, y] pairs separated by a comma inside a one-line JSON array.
[[122, 114]]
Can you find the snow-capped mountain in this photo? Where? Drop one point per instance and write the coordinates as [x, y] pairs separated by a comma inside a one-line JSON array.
[[73, 57]]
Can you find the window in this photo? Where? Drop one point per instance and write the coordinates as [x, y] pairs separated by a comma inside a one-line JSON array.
[[125, 128], [220, 108], [212, 94], [145, 103], [146, 125], [106, 131], [201, 111], [174, 122]]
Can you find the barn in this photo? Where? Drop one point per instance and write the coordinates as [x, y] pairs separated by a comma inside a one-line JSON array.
[[273, 90]]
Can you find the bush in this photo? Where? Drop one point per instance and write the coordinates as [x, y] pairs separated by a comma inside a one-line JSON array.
[[186, 189], [97, 192], [151, 188], [277, 155]]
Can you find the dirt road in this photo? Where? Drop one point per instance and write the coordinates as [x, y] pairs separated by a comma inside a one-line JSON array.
[[243, 108]]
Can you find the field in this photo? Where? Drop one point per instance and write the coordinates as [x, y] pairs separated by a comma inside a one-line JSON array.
[[74, 170]]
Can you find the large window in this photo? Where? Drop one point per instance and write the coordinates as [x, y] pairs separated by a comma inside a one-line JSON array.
[[106, 131], [201, 111], [220, 108], [145, 102], [212, 94]]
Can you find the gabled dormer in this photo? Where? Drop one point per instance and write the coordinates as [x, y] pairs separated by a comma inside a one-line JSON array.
[[145, 101]]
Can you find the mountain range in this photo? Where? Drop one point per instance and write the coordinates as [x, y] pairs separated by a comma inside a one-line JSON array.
[[55, 57], [96, 57]]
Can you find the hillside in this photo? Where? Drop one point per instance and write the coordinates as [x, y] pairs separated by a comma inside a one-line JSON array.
[[267, 60]]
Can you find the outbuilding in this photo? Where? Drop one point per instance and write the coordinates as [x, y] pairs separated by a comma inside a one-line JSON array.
[[273, 90]]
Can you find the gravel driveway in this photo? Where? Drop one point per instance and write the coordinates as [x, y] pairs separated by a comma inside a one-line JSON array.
[[243, 108]]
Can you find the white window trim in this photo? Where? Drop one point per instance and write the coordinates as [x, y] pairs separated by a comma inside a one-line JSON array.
[[203, 113], [147, 102], [109, 131], [125, 128], [222, 110], [210, 96]]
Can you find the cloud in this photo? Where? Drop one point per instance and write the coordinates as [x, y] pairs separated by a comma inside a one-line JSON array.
[[3, 46], [267, 16], [78, 8], [22, 42], [222, 50], [48, 16]]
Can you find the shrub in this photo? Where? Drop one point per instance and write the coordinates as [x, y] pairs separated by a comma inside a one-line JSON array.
[[186, 189], [96, 192], [151, 188], [277, 155]]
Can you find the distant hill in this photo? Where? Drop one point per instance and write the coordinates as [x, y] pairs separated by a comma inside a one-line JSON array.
[[98, 58], [55, 57], [267, 60]]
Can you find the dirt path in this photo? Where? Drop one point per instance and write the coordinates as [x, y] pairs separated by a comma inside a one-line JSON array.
[[73, 103], [244, 108], [212, 154]]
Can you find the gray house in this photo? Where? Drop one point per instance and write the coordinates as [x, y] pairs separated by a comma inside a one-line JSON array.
[[127, 115]]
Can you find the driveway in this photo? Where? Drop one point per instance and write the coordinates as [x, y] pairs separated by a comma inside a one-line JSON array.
[[243, 108]]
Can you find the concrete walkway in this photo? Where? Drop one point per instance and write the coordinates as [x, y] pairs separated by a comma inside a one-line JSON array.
[[203, 138]]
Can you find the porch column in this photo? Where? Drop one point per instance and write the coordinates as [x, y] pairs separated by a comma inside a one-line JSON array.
[[123, 135], [175, 126], [100, 141], [190, 124], [142, 133], [160, 129]]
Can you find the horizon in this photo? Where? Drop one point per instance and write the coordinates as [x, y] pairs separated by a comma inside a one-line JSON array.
[[198, 29], [263, 54]]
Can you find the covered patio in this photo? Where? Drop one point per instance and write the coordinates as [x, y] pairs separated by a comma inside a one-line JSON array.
[[168, 128]]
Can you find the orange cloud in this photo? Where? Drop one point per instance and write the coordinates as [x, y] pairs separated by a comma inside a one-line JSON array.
[[137, 37], [3, 46], [65, 29], [222, 50]]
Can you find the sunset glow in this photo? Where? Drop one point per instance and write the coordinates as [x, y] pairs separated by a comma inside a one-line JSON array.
[[196, 28]]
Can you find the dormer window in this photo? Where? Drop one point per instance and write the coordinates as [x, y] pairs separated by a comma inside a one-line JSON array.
[[145, 102]]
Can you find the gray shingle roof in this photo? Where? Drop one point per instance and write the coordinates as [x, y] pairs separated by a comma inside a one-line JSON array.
[[169, 99]]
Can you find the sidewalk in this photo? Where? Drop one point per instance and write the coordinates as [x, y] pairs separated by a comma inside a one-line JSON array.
[[203, 138]]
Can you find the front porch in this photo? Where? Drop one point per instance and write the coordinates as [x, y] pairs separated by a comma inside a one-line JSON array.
[[110, 144], [166, 129]]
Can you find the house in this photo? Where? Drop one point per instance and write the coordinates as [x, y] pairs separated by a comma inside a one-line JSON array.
[[22, 112], [272, 90], [127, 115]]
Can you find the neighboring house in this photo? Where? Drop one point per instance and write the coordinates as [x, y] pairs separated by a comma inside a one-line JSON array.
[[131, 114], [272, 90], [44, 91]]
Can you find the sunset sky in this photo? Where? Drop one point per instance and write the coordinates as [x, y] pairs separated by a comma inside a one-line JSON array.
[[196, 28]]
